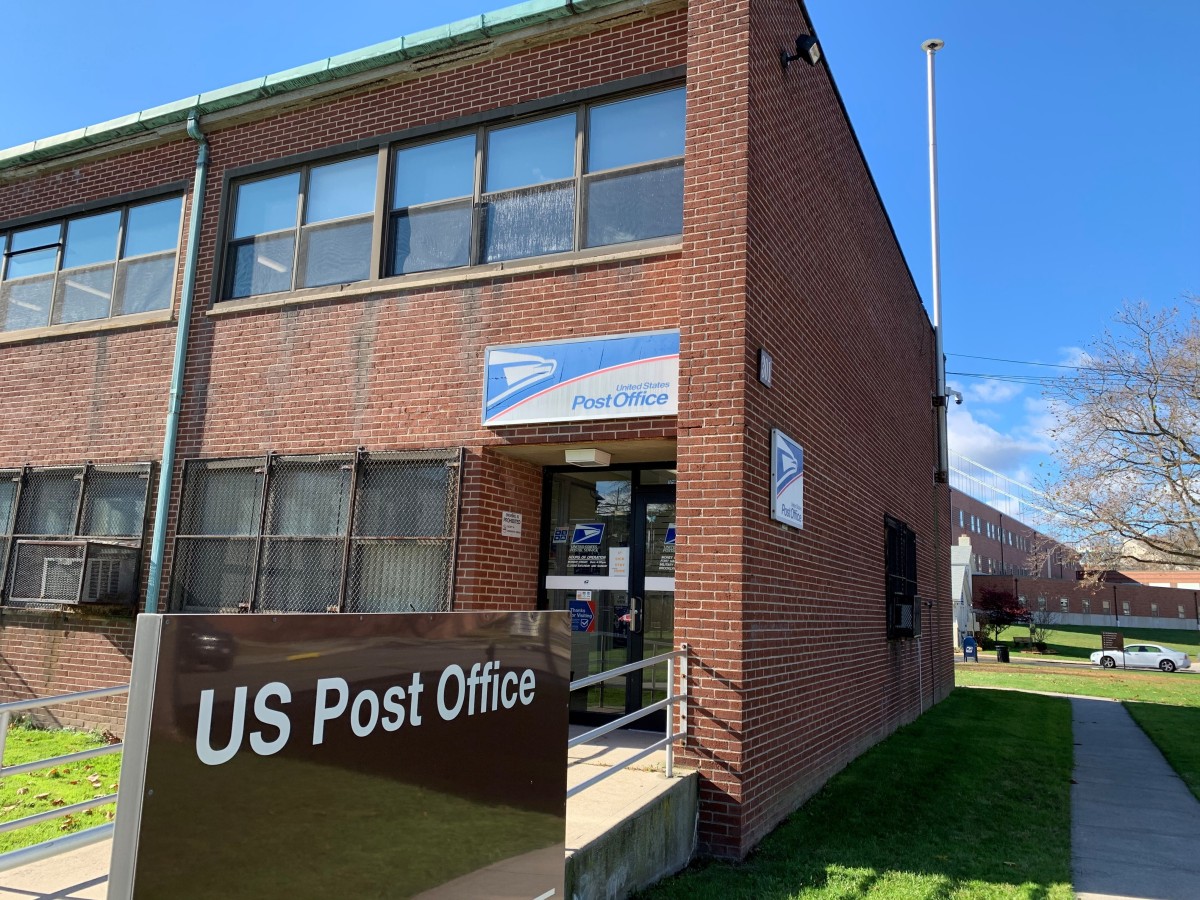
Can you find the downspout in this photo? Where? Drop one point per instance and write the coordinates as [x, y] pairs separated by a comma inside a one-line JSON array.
[[175, 401]]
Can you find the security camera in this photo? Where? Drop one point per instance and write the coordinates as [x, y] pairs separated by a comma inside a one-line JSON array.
[[957, 395]]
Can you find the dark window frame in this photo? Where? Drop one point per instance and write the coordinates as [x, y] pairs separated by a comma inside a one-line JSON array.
[[85, 475], [903, 606], [62, 218], [384, 216], [264, 534]]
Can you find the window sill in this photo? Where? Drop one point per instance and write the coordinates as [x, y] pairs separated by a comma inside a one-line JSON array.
[[448, 277], [90, 326]]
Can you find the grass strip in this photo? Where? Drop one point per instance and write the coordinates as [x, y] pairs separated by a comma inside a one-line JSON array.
[[1173, 730], [970, 802], [1176, 689], [1081, 641], [46, 789]]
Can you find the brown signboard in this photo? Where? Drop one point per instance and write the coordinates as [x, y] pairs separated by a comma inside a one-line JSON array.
[[385, 755], [1112, 640]]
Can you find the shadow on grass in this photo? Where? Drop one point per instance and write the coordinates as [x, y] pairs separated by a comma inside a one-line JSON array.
[[970, 801]]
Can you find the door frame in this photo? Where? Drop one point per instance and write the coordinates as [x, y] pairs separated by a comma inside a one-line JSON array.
[[637, 535]]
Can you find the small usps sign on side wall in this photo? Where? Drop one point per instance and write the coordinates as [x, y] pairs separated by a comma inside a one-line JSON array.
[[787, 480]]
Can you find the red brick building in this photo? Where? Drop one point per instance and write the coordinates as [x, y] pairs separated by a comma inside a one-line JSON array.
[[398, 252], [1004, 545]]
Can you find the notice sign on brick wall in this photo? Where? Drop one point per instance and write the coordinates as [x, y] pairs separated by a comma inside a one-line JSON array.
[[382, 755]]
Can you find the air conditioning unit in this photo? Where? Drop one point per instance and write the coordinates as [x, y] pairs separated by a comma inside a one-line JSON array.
[[73, 572]]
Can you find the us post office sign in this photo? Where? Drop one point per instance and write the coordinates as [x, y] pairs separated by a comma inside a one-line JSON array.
[[375, 755]]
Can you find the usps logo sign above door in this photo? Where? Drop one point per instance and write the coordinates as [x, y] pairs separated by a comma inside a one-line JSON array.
[[617, 377], [787, 480]]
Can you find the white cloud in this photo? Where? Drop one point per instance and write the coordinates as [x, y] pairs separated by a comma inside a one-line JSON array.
[[994, 391], [1007, 453]]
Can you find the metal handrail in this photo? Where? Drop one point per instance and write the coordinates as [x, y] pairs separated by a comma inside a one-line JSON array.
[[673, 698], [54, 846]]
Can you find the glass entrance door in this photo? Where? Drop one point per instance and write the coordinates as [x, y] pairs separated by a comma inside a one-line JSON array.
[[610, 560]]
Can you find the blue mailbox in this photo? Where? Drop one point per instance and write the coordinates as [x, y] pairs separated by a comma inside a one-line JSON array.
[[970, 649]]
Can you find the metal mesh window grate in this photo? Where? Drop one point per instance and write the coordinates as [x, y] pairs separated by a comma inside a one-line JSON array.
[[903, 607], [355, 532], [39, 506]]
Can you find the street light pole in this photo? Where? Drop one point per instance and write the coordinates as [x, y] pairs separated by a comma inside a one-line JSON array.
[[931, 47]]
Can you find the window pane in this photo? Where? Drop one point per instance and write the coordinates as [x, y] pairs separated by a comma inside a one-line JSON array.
[[91, 239], [637, 130], [635, 207], [431, 172], [529, 224], [299, 576], [114, 504], [220, 501], [34, 262], [262, 266], [267, 205], [308, 498], [84, 294], [336, 253], [26, 304], [437, 238], [8, 496], [153, 228], [145, 284], [212, 575], [341, 189], [35, 237], [48, 503], [404, 576], [402, 500], [534, 153]]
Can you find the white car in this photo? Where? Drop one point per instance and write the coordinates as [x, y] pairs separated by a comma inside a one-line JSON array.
[[1143, 656]]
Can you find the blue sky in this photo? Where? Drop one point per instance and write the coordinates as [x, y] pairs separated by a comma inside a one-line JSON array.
[[1068, 136]]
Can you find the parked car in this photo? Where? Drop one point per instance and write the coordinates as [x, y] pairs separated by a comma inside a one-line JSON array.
[[1143, 656]]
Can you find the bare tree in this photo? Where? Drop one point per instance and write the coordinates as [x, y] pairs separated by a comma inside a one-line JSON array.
[[1128, 442]]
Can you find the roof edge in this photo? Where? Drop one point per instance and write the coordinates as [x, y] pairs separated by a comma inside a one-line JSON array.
[[513, 18]]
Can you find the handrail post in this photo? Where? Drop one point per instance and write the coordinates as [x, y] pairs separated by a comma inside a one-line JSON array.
[[671, 718], [5, 718]]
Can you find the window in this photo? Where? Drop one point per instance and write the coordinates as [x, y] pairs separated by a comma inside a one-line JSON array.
[[902, 605], [588, 175], [95, 266], [355, 532], [1064, 604], [305, 228], [1087, 605], [1105, 605], [1041, 602], [1154, 609], [1125, 607], [1181, 615], [961, 518], [41, 508]]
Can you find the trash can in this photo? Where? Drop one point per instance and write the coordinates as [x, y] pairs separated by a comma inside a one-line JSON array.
[[1001, 653]]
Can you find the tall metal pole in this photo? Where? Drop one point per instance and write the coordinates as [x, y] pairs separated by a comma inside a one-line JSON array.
[[943, 473]]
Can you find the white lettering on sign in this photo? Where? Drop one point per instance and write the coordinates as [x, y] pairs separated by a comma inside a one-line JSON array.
[[484, 688]]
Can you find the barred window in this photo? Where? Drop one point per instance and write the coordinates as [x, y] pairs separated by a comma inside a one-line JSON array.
[[332, 533], [53, 519], [903, 607], [93, 266]]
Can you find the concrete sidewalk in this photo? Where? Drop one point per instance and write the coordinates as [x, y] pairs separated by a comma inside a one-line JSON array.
[[1135, 826]]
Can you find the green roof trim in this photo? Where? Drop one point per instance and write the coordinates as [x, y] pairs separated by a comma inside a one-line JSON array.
[[421, 43]]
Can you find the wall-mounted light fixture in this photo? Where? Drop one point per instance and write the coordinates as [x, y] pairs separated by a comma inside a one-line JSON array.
[[807, 49], [588, 458]]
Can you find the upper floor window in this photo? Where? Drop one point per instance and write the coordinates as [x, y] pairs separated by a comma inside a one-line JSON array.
[[93, 266], [305, 228], [582, 177]]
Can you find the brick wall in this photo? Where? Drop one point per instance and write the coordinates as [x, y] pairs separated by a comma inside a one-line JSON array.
[[990, 545]]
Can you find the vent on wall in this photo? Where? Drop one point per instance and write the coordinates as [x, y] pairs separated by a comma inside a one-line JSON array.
[[70, 572]]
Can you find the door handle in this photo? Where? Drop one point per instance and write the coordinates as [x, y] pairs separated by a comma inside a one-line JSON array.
[[635, 615]]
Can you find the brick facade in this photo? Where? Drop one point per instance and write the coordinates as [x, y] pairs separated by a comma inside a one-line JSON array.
[[1110, 602], [792, 676]]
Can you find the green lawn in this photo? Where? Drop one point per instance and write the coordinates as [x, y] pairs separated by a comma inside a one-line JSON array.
[[23, 795], [1080, 641], [1176, 689], [928, 813], [1174, 730]]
